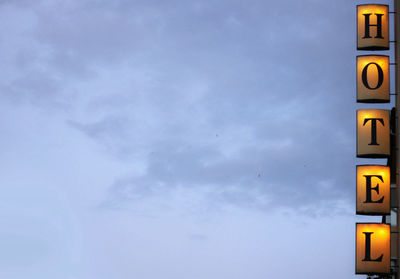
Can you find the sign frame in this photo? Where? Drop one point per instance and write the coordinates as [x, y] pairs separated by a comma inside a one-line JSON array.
[[388, 198], [373, 47], [390, 251], [386, 147], [374, 100]]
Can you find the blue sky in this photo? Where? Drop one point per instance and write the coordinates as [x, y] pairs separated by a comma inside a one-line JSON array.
[[178, 139]]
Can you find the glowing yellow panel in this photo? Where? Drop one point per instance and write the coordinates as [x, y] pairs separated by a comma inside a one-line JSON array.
[[373, 84], [372, 27], [373, 190], [373, 133], [372, 248]]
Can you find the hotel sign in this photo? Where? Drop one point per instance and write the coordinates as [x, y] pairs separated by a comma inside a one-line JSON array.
[[373, 190], [373, 133], [372, 27], [373, 84], [373, 140], [372, 248]]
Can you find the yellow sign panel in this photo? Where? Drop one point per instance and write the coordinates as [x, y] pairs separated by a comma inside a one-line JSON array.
[[372, 248], [373, 79], [373, 133], [373, 190], [372, 27]]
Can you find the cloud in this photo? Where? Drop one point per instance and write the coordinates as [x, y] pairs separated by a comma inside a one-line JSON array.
[[250, 103]]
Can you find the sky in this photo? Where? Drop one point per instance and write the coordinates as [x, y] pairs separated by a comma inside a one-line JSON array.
[[178, 139]]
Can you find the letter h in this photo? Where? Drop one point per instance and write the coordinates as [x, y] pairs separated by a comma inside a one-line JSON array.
[[368, 25]]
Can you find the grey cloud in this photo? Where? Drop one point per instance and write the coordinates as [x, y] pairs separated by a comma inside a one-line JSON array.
[[204, 131], [257, 177], [231, 96]]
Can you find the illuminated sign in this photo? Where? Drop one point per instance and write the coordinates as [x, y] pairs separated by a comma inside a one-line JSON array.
[[373, 190], [373, 243], [372, 248], [372, 27], [373, 133], [373, 79]]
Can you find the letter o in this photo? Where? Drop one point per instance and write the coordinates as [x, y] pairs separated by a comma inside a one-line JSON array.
[[365, 76]]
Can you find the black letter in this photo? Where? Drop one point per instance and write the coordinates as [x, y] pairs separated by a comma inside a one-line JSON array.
[[365, 76], [369, 189], [373, 128], [368, 249], [378, 26]]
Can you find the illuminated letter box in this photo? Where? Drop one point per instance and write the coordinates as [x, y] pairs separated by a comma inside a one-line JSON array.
[[373, 190], [373, 79], [372, 27], [373, 133], [372, 248]]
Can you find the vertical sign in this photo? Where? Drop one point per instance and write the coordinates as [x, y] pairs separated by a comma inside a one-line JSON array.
[[373, 133], [372, 248], [373, 79], [372, 27], [373, 190], [373, 140]]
